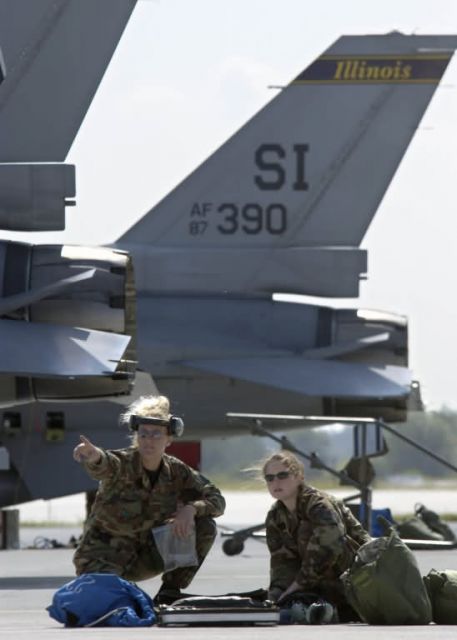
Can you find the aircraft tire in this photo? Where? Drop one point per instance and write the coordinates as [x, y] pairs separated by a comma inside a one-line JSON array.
[[232, 547]]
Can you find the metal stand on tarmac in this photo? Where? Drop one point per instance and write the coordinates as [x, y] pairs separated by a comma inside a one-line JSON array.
[[367, 443]]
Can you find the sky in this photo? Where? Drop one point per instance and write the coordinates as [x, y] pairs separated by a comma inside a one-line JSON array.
[[187, 74]]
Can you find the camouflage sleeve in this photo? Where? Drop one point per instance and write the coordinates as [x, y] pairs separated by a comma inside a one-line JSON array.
[[202, 494], [283, 562], [326, 545], [107, 468], [353, 526]]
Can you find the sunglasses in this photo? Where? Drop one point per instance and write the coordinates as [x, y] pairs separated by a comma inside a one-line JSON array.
[[282, 475], [155, 435]]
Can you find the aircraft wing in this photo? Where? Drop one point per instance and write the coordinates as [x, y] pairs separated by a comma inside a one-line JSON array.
[[47, 350], [314, 377]]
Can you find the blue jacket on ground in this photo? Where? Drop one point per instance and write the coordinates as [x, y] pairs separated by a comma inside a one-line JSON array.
[[102, 599]]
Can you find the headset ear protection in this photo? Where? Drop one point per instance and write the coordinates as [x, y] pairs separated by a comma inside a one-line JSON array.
[[175, 425]]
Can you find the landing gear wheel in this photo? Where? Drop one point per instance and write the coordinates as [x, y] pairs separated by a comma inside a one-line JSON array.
[[232, 547]]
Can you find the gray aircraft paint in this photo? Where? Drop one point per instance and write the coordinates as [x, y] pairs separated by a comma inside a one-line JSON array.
[[281, 207], [295, 189], [38, 40]]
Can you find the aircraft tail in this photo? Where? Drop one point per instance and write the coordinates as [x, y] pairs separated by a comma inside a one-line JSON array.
[[284, 204], [54, 55]]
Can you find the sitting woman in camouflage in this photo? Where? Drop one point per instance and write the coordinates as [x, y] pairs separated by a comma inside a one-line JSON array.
[[312, 538], [142, 487]]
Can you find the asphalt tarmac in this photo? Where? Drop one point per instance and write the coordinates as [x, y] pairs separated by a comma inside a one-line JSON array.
[[29, 578]]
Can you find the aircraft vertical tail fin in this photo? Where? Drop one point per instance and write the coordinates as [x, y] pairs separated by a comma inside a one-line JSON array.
[[55, 53], [284, 204]]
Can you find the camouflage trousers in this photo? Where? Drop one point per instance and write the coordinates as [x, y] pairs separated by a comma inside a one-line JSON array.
[[138, 558], [326, 586]]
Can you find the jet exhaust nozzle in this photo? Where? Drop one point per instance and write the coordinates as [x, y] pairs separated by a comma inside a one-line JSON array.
[[67, 323]]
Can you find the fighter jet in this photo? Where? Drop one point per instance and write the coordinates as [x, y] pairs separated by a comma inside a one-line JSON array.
[[67, 313], [281, 207]]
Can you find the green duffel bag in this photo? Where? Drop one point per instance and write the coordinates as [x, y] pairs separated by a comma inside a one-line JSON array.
[[384, 584], [442, 589]]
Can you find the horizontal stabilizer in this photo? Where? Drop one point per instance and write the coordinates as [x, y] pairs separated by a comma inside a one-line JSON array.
[[311, 421], [328, 378], [46, 350]]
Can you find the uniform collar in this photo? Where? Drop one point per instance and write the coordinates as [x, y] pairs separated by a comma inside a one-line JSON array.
[[165, 470]]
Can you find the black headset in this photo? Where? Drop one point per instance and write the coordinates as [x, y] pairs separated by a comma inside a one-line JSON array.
[[175, 424]]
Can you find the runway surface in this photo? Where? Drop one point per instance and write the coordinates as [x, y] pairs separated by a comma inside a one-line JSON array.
[[28, 579]]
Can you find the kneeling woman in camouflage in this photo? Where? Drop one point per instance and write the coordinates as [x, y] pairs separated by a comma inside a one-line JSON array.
[[140, 488], [311, 536]]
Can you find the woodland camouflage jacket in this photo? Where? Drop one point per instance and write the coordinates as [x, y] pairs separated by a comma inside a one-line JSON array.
[[126, 504], [314, 544]]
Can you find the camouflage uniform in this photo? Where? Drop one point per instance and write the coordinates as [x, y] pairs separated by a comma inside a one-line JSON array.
[[117, 537], [313, 545]]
